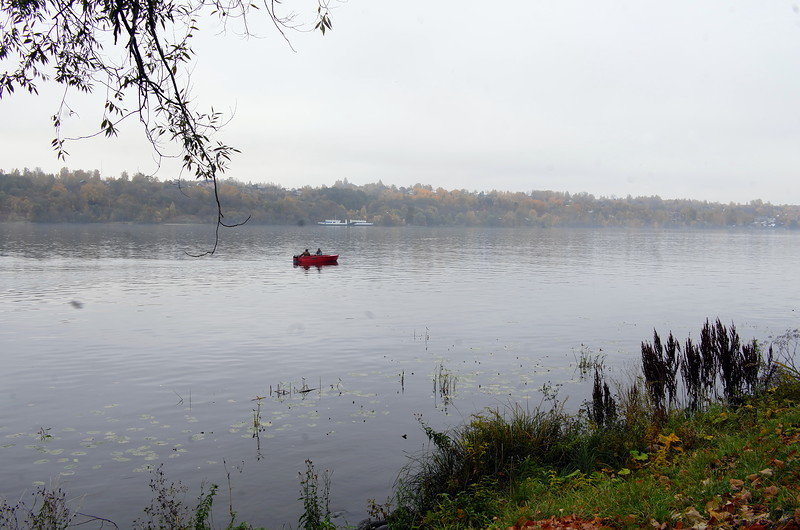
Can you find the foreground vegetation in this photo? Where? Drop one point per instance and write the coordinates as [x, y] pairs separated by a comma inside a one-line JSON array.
[[719, 468], [707, 437], [88, 197]]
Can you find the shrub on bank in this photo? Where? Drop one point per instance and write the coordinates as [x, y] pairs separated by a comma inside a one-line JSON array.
[[700, 416]]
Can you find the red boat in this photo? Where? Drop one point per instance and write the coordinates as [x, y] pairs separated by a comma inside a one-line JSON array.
[[316, 259]]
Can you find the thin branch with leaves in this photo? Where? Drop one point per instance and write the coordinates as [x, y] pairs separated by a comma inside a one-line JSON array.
[[139, 52]]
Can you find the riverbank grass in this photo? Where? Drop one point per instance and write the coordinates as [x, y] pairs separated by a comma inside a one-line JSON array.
[[708, 436], [724, 467]]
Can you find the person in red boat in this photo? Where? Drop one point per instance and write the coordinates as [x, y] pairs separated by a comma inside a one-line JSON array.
[[306, 253], [319, 252]]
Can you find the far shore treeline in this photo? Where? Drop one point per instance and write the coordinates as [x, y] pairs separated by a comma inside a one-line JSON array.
[[87, 197]]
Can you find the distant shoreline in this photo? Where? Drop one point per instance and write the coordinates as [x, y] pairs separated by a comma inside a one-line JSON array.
[[83, 197]]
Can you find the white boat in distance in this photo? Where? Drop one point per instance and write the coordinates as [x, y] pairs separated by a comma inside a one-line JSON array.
[[349, 222]]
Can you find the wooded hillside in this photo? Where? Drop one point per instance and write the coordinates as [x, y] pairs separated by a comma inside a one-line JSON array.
[[82, 196]]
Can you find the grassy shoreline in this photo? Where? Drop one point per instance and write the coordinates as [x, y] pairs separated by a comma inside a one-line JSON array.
[[707, 436], [723, 467]]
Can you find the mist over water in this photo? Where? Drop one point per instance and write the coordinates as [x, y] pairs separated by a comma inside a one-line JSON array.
[[120, 352]]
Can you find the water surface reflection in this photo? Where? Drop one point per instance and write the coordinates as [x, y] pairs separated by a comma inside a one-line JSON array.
[[130, 353]]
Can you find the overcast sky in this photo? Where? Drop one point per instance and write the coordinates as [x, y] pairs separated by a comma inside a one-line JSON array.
[[682, 99]]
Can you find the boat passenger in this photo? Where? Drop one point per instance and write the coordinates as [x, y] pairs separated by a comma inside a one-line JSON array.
[[319, 252], [306, 253]]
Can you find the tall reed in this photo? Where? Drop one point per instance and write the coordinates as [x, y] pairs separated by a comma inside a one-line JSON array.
[[720, 367], [603, 410], [660, 366]]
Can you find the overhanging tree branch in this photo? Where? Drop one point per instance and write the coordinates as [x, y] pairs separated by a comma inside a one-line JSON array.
[[76, 43]]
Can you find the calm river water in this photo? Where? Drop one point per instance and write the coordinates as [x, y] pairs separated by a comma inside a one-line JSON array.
[[120, 352]]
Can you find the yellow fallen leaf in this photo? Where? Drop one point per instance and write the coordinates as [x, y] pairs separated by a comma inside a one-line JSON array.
[[669, 439]]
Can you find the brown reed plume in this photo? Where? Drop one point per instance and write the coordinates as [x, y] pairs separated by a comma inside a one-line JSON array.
[[719, 367]]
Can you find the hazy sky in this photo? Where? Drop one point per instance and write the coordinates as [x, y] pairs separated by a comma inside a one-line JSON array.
[[679, 99]]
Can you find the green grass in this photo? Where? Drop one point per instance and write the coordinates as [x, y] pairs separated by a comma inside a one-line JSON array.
[[724, 467], [699, 440]]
